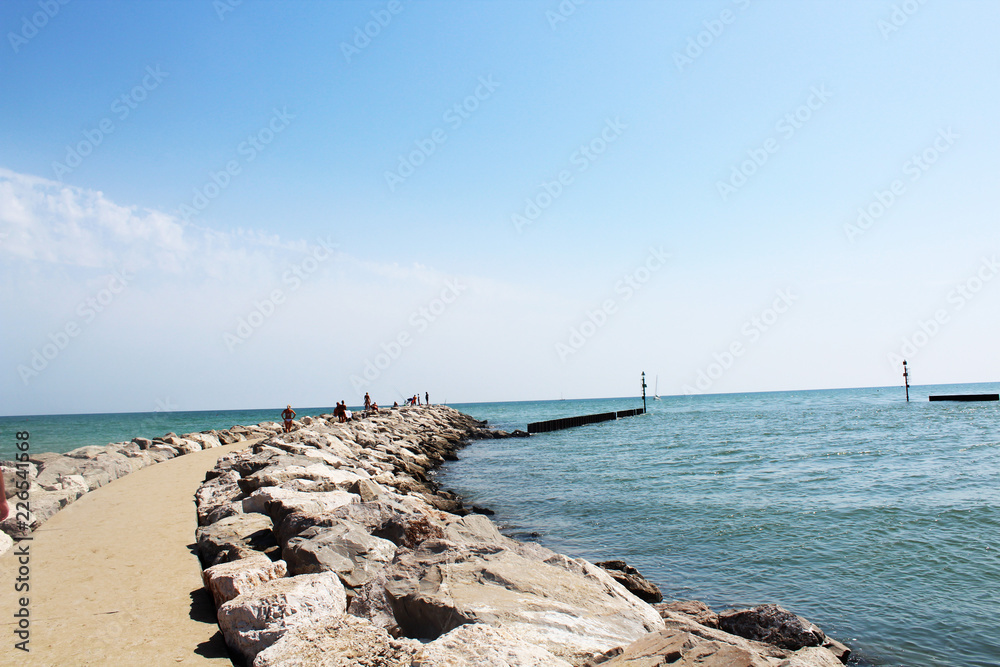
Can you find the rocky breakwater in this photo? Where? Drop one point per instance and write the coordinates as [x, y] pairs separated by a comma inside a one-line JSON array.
[[56, 480], [332, 545]]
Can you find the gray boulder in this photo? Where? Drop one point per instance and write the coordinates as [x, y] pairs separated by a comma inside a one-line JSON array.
[[235, 537], [771, 624], [259, 617], [634, 583], [385, 518], [477, 644], [475, 528], [684, 642], [214, 494], [683, 649], [345, 548], [278, 503], [336, 640], [226, 581], [325, 477], [52, 467], [569, 607], [696, 610]]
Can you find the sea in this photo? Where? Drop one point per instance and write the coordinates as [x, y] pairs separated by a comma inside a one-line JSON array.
[[876, 518]]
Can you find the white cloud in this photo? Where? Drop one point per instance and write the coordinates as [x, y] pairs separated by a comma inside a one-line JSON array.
[[72, 227], [188, 288]]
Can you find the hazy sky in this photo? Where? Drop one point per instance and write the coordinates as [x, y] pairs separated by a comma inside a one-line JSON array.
[[230, 204]]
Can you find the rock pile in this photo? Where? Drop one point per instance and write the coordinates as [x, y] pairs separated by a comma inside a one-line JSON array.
[[764, 636], [332, 545]]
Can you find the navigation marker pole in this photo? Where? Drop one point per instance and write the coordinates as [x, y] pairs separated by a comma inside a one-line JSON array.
[[644, 392], [906, 380]]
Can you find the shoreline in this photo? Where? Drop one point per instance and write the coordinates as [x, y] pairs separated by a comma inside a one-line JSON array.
[[425, 580], [338, 533]]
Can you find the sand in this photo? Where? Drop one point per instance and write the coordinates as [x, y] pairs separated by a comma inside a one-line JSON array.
[[114, 578]]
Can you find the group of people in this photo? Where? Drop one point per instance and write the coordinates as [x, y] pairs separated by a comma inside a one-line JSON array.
[[343, 414], [415, 399]]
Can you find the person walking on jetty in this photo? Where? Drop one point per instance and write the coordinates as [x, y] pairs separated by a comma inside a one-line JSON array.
[[368, 402], [427, 398], [287, 415]]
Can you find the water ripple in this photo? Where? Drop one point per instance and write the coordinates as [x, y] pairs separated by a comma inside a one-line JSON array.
[[877, 519]]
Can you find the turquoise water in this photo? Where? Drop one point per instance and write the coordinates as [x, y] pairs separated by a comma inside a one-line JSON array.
[[877, 519], [63, 433]]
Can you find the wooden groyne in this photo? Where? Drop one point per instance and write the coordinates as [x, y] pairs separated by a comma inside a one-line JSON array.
[[965, 397], [569, 422]]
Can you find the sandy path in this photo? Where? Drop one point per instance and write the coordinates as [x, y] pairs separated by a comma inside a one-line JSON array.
[[114, 580]]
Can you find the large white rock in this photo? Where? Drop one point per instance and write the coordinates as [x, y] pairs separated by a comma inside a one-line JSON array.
[[812, 656], [326, 457], [327, 478], [568, 606], [321, 438], [215, 493], [90, 451], [229, 580], [476, 644], [290, 500], [338, 641], [234, 537], [74, 483], [185, 446], [258, 618], [345, 548], [206, 440]]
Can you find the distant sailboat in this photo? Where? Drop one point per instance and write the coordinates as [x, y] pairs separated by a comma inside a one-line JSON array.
[[656, 389]]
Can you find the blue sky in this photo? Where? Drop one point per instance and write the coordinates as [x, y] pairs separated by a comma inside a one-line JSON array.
[[539, 199]]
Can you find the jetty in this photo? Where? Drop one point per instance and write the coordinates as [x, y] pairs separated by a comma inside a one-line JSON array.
[[333, 545], [570, 422], [965, 397]]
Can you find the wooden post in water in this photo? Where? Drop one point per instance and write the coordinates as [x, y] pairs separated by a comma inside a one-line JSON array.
[[906, 380], [644, 391]]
